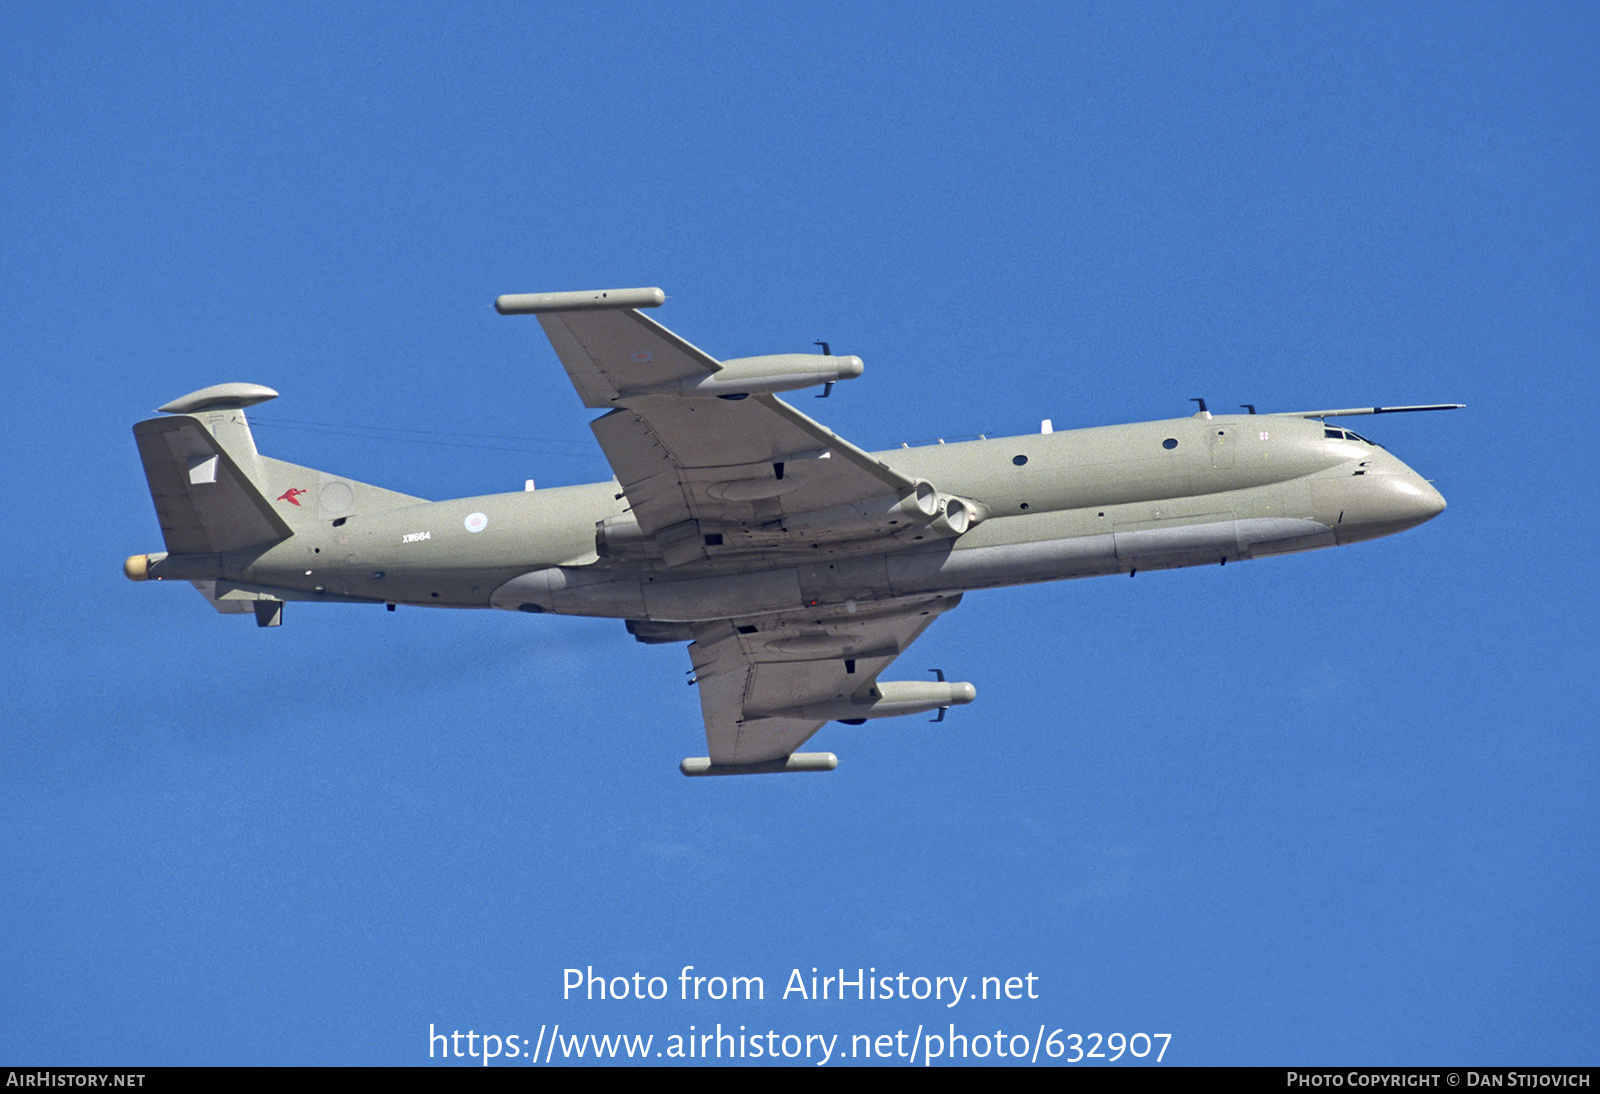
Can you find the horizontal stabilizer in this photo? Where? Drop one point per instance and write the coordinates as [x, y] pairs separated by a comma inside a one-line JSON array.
[[231, 599]]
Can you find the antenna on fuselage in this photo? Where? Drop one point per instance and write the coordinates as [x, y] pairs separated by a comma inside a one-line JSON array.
[[1202, 412]]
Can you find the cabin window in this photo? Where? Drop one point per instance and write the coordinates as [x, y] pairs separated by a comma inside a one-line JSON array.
[[1170, 443], [1019, 460]]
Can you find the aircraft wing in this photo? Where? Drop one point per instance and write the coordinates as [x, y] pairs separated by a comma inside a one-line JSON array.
[[712, 463], [768, 684], [746, 465]]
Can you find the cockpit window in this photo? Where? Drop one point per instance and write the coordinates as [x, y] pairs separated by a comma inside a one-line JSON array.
[[1346, 435]]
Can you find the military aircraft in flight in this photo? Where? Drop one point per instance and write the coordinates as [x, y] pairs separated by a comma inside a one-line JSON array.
[[796, 565]]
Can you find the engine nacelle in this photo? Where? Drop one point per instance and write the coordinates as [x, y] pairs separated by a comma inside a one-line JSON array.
[[621, 537], [744, 376]]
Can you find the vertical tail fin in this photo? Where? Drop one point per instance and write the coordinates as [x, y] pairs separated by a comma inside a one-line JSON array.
[[203, 468], [215, 495], [213, 491]]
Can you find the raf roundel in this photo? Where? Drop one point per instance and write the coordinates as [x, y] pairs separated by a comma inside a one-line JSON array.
[[477, 522]]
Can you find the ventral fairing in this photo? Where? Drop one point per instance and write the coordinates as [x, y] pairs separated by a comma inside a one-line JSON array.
[[795, 565]]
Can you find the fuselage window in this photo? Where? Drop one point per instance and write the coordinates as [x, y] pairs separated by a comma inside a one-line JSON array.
[[1019, 460], [1170, 443]]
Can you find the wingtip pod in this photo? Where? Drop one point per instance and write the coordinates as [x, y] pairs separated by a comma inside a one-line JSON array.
[[800, 761], [535, 303], [137, 568]]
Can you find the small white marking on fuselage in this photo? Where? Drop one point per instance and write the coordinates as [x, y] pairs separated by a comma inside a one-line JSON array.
[[412, 537]]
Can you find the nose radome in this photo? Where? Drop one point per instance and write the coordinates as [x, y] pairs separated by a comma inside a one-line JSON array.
[[1417, 497], [1400, 499], [1436, 502], [1380, 499]]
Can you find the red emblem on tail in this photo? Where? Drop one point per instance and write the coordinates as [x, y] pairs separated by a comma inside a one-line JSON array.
[[291, 495]]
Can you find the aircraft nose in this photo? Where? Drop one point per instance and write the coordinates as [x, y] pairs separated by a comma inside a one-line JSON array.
[[1384, 501], [1410, 499]]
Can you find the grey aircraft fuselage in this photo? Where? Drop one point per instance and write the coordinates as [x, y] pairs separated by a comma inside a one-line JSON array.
[[1074, 503], [797, 566]]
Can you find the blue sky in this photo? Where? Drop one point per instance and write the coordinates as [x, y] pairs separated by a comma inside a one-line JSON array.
[[1334, 808]]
